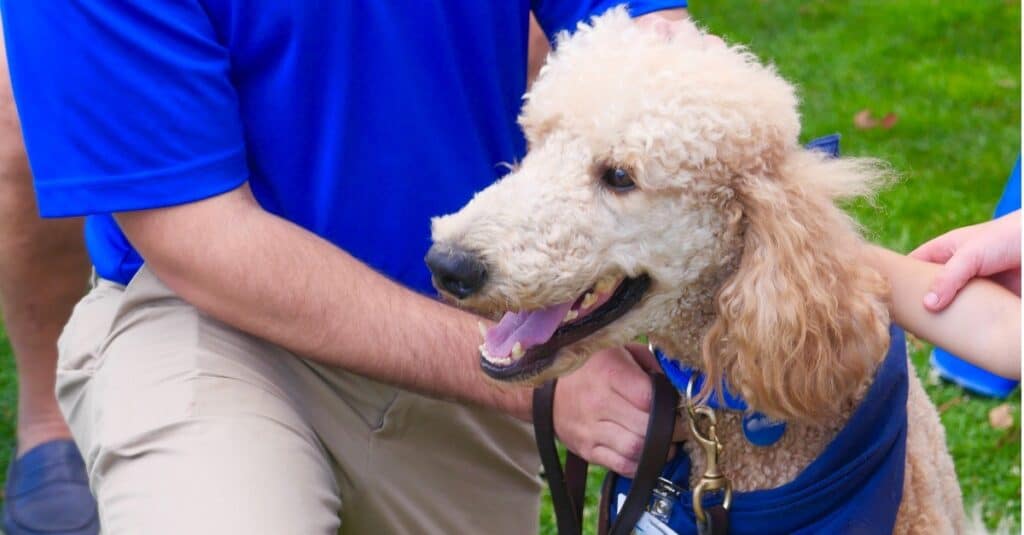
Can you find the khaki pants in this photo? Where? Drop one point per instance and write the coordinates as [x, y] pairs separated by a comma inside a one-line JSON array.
[[189, 426]]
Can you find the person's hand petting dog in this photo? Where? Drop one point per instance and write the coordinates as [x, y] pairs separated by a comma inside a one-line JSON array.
[[991, 249]]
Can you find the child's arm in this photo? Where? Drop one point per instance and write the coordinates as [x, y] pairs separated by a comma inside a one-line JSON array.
[[982, 324]]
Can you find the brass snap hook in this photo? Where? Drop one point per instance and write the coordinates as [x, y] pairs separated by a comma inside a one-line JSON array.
[[712, 480]]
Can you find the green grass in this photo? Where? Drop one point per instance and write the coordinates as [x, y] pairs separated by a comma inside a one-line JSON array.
[[8, 405], [950, 71]]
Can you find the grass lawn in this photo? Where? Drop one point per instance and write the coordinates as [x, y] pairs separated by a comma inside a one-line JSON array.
[[950, 71]]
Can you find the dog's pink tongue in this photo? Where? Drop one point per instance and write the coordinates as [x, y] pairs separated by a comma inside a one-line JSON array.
[[530, 328]]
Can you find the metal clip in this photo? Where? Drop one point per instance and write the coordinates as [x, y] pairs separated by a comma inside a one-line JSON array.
[[712, 480], [664, 495]]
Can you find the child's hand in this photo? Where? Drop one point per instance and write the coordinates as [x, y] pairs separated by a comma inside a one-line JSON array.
[[989, 249]]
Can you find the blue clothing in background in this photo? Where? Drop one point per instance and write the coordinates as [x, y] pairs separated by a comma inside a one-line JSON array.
[[1010, 201], [357, 120]]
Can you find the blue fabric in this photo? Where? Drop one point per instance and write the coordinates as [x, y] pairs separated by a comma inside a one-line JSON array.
[[759, 429], [357, 120], [828, 144], [679, 375], [854, 487], [47, 491], [1010, 200]]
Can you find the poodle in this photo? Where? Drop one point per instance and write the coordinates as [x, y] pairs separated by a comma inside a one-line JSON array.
[[664, 193]]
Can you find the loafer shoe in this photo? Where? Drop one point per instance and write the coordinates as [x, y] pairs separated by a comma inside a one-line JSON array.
[[47, 493]]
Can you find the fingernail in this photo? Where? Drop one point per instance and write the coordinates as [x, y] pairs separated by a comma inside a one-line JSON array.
[[931, 299]]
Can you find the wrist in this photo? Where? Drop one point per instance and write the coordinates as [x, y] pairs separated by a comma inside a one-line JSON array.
[[518, 402], [514, 399]]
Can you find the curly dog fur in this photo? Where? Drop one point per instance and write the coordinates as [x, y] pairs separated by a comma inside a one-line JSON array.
[[756, 273]]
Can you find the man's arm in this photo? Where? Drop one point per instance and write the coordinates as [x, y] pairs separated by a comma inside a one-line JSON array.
[[269, 277]]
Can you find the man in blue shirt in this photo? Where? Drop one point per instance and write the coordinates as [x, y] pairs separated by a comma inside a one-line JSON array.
[[271, 362]]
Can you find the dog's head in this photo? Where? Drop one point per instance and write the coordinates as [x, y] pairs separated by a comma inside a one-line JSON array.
[[665, 193]]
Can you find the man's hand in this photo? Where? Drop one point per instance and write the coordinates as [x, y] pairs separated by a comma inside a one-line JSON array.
[[601, 410], [989, 249], [675, 24]]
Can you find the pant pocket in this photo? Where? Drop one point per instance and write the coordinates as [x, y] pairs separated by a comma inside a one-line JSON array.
[[369, 400], [79, 356], [86, 329]]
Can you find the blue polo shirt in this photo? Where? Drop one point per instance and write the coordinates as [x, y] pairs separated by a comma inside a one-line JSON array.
[[357, 119]]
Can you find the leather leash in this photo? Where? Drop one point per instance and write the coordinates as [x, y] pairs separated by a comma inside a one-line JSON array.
[[568, 487]]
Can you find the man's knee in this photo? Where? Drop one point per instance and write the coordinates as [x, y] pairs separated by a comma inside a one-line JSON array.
[[239, 474], [189, 437]]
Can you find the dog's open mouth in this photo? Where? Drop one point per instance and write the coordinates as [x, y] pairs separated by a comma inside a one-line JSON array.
[[524, 343]]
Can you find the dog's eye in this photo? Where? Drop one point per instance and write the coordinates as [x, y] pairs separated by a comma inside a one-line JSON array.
[[617, 179]]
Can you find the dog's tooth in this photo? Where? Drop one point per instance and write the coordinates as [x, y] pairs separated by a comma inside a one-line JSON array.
[[517, 351], [605, 285], [588, 300], [570, 315], [483, 328], [490, 358]]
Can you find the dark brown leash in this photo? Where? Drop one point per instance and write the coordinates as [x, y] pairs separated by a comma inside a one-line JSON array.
[[568, 487]]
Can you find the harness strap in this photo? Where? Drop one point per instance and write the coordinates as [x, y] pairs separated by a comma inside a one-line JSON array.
[[717, 521], [568, 487], [568, 504]]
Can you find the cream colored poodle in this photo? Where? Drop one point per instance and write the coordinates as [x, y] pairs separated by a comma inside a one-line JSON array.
[[665, 194]]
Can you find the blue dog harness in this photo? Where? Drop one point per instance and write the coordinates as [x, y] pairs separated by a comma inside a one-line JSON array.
[[759, 429], [854, 486]]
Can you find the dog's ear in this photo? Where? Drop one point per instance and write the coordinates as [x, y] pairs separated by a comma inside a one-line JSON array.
[[803, 320]]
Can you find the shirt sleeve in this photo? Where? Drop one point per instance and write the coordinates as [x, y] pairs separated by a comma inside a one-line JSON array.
[[557, 15], [123, 105]]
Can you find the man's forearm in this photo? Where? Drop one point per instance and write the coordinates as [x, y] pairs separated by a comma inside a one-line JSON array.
[[266, 276]]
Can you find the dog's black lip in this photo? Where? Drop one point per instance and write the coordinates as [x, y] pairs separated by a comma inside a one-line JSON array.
[[538, 358]]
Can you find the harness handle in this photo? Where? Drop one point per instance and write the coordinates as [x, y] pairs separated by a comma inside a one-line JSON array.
[[569, 487]]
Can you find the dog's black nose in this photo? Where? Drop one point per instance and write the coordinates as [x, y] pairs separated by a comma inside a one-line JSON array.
[[458, 272]]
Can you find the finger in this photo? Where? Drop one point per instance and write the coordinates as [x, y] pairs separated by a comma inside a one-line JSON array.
[[611, 460], [643, 356], [936, 251], [626, 416], [961, 268], [633, 385], [620, 440]]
